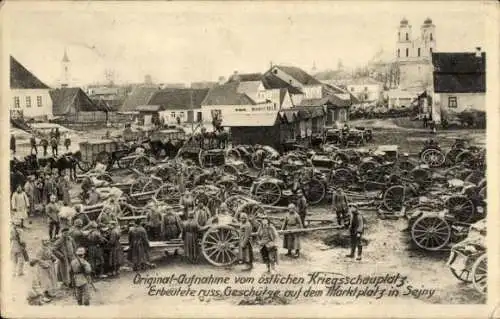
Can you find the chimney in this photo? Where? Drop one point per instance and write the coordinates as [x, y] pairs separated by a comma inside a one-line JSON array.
[[478, 52], [235, 76], [222, 80]]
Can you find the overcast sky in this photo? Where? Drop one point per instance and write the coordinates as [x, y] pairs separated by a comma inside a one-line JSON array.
[[194, 41]]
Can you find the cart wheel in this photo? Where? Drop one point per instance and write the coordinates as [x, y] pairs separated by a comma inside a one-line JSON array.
[[364, 167], [420, 176], [84, 166], [464, 275], [451, 156], [138, 185], [103, 158], [343, 177], [235, 202], [140, 163], [257, 159], [314, 191], [269, 193], [482, 193], [105, 177], [219, 245], [430, 232], [124, 162], [480, 274], [465, 157], [433, 157], [461, 207], [406, 166], [341, 157], [394, 198], [252, 209]]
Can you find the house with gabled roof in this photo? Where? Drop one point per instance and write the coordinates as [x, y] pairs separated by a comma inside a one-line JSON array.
[[76, 106], [459, 83], [140, 95], [30, 97]]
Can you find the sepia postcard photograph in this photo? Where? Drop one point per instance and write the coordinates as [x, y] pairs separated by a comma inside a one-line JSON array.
[[231, 159]]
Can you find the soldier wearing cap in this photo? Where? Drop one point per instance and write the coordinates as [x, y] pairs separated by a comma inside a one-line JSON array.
[[96, 241], [52, 211], [292, 221], [81, 271], [20, 204], [64, 249], [246, 250], [340, 205], [154, 222], [190, 231], [82, 216], [17, 245], [77, 234], [301, 206], [115, 248], [268, 240], [356, 228]]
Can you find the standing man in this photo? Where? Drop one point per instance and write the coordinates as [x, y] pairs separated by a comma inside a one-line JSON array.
[[138, 246], [67, 140], [53, 144], [45, 144], [292, 221], [82, 216], [20, 204], [81, 271], [17, 248], [64, 250], [96, 241], [340, 205], [33, 144], [154, 222], [302, 206], [425, 120], [52, 210], [356, 228], [93, 197], [246, 250], [29, 189], [187, 203], [268, 238], [13, 144], [115, 248], [77, 234]]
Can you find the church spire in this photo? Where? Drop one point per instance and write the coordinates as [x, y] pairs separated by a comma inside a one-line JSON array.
[[65, 57]]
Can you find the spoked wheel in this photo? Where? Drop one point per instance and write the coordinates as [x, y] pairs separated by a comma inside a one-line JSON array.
[[420, 176], [235, 202], [233, 153], [219, 245], [451, 156], [314, 191], [461, 207], [341, 157], [343, 177], [395, 197], [138, 185], [269, 193], [430, 232], [463, 275], [140, 163], [168, 193], [364, 167], [482, 193], [480, 274], [84, 166], [465, 157], [433, 157]]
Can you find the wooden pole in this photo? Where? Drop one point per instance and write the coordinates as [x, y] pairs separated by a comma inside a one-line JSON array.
[[307, 230]]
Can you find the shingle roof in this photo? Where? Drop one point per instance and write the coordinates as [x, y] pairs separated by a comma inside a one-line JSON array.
[[140, 95], [235, 119], [298, 74], [64, 99], [175, 99], [459, 73], [21, 78], [227, 94]]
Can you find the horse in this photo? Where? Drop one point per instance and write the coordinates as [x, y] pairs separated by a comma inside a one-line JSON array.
[[63, 162]]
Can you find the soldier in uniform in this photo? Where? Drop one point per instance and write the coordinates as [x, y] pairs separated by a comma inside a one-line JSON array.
[[268, 238], [96, 243], [340, 205], [292, 221], [33, 144], [17, 247], [139, 247], [246, 250], [64, 250], [191, 229], [171, 225], [356, 228], [301, 206], [154, 222], [187, 203], [80, 215], [115, 248], [20, 204], [45, 144], [201, 213], [77, 234], [81, 271], [52, 211]]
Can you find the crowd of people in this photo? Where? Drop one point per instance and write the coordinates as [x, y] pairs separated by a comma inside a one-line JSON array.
[[79, 251]]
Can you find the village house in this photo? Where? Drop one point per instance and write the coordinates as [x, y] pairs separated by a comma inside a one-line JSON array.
[[75, 106], [366, 89], [459, 83], [30, 97], [140, 95], [173, 106]]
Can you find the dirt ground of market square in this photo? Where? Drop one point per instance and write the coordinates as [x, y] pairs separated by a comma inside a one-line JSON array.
[[388, 249]]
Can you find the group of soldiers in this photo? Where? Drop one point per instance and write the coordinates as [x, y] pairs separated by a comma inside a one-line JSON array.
[[53, 140]]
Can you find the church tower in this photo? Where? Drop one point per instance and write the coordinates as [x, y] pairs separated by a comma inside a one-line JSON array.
[[65, 63], [404, 43], [428, 36]]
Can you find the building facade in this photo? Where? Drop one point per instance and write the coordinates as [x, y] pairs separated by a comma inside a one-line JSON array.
[[366, 89], [30, 97]]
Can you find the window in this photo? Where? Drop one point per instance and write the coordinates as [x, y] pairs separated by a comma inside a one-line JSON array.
[[399, 53], [181, 114], [172, 114], [452, 102], [418, 51], [28, 101], [39, 101], [432, 39], [407, 52], [399, 35], [275, 71], [366, 88], [275, 106], [17, 105], [407, 37]]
